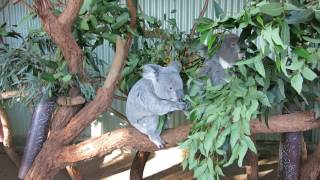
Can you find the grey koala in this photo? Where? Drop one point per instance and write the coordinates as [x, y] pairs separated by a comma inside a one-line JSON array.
[[225, 57], [158, 92]]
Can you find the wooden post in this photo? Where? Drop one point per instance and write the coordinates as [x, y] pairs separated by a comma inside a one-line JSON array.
[[138, 163], [252, 168], [290, 156]]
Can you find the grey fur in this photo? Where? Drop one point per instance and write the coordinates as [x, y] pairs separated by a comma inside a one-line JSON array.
[[158, 92], [225, 57]]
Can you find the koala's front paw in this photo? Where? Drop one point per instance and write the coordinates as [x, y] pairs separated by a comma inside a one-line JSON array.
[[157, 141], [181, 105]]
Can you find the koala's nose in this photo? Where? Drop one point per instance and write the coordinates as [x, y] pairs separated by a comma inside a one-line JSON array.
[[241, 55], [180, 94]]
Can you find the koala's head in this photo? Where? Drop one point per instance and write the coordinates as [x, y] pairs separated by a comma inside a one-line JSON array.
[[166, 81], [230, 49]]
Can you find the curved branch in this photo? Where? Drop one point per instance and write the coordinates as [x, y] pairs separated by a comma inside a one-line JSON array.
[[122, 138], [133, 23], [203, 11], [98, 105]]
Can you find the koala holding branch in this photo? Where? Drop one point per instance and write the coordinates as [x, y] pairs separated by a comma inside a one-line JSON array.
[[225, 57], [158, 92]]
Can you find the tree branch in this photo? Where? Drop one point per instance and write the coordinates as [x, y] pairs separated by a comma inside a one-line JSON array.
[[61, 33], [293, 122], [99, 104], [122, 138], [10, 94], [7, 138], [132, 139], [203, 11], [70, 13]]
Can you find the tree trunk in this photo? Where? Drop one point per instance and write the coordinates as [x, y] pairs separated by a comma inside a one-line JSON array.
[[290, 156], [137, 167]]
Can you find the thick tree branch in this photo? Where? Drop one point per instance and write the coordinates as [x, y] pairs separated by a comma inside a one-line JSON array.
[[122, 138], [61, 33], [133, 139], [100, 103], [70, 13], [294, 122]]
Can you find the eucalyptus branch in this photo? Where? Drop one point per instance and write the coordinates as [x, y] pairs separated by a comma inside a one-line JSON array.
[[203, 11]]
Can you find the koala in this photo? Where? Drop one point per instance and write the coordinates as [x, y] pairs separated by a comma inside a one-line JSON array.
[[158, 92], [225, 57]]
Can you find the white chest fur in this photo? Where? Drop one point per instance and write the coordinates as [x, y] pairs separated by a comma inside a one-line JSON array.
[[224, 63]]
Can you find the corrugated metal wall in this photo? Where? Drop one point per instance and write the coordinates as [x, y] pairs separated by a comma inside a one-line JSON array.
[[186, 12]]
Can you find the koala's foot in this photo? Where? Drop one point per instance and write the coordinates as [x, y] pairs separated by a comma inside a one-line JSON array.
[[157, 141]]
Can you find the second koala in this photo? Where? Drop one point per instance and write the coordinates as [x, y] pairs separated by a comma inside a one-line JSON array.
[[158, 92], [226, 57]]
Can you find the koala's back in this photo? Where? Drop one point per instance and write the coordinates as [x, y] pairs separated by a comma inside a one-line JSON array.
[[137, 100]]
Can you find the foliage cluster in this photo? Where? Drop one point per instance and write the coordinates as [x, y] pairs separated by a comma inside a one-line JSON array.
[[280, 72]]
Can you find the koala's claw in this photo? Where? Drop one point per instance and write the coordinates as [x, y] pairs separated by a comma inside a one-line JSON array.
[[158, 142], [181, 105]]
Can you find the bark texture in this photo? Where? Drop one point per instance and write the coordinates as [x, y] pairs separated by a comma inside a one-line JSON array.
[[137, 166], [7, 138], [290, 156], [310, 170]]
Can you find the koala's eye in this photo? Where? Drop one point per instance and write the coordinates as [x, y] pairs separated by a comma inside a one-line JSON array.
[[170, 88]]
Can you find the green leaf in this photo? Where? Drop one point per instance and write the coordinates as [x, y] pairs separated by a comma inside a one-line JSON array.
[[308, 73], [300, 16], [210, 165], [112, 38], [84, 24], [276, 37], [243, 148], [208, 143], [312, 40], [272, 9], [200, 170], [285, 33], [107, 18], [47, 77], [234, 136], [259, 65], [120, 20], [66, 78], [235, 152], [302, 52], [250, 144], [296, 82], [236, 114], [281, 87]]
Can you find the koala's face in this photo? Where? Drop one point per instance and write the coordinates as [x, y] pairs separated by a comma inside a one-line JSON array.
[[166, 81], [230, 50]]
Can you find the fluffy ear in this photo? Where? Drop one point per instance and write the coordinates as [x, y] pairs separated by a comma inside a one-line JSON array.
[[175, 65], [151, 71]]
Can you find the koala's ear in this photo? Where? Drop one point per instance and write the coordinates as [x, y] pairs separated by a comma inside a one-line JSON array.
[[175, 65], [151, 71]]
